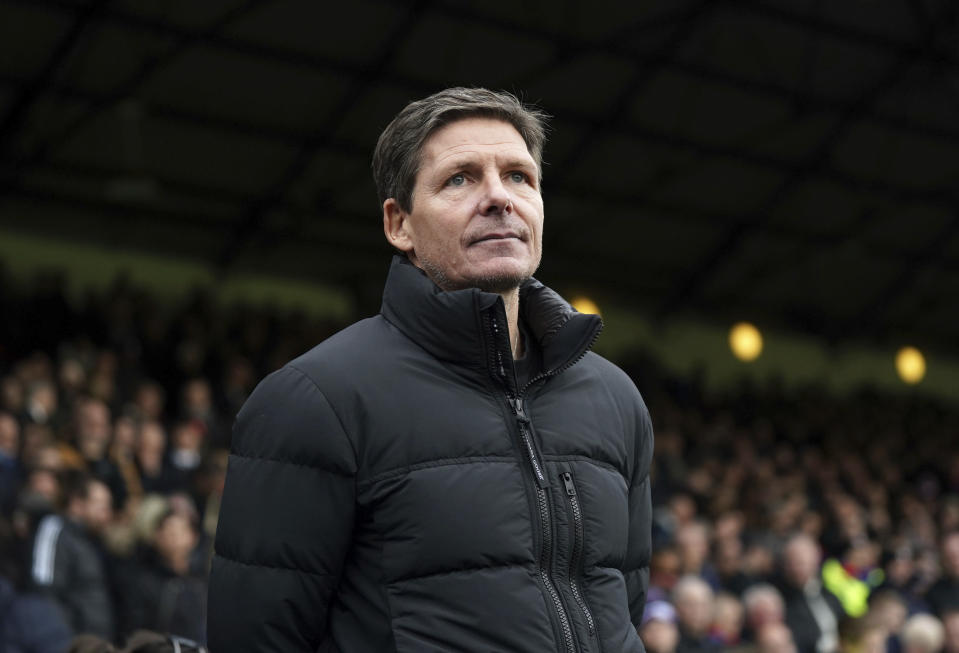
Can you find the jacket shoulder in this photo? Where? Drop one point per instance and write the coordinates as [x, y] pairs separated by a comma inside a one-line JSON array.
[[632, 408], [349, 353], [617, 382]]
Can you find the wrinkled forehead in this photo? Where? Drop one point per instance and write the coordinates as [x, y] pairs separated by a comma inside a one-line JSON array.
[[472, 136]]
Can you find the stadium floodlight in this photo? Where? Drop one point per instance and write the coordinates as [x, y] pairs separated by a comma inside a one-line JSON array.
[[745, 341], [910, 365], [585, 305]]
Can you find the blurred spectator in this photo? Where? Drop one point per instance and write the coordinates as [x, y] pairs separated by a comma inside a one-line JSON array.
[[93, 438], [944, 595], [922, 633], [693, 599], [775, 638], [197, 407], [763, 604], [658, 629], [664, 569], [185, 454], [854, 576], [149, 450], [950, 621], [29, 622], [728, 615], [149, 401], [901, 576], [11, 470], [888, 612], [11, 395], [163, 592], [692, 539], [861, 635], [67, 560], [41, 403], [812, 612]]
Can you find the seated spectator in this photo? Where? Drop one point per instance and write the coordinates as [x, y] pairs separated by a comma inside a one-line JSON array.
[[149, 401], [658, 628], [950, 621], [944, 594], [862, 635], [901, 575], [66, 561], [163, 592], [94, 432], [185, 455], [887, 613], [812, 612], [729, 565], [922, 633], [693, 599], [149, 450], [11, 469], [29, 622], [763, 604], [775, 638], [692, 540], [727, 627], [664, 569]]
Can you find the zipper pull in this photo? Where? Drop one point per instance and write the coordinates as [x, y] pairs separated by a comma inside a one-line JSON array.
[[568, 482], [520, 409]]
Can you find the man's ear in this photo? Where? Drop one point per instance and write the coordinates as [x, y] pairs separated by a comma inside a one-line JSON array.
[[396, 226]]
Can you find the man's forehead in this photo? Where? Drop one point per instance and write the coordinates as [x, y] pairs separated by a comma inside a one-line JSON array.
[[471, 136]]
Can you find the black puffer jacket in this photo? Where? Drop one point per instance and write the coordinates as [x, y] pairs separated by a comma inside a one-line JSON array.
[[391, 489]]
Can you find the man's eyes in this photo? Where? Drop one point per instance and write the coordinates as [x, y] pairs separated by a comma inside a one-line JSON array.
[[460, 179]]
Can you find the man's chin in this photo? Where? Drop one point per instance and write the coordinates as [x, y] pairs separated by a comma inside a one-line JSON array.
[[497, 279], [498, 283]]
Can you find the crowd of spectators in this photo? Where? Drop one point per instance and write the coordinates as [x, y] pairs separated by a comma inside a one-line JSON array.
[[783, 520]]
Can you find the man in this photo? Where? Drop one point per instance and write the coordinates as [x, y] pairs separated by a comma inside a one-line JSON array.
[[458, 473], [658, 629], [950, 621], [694, 604], [944, 594], [812, 612], [67, 563]]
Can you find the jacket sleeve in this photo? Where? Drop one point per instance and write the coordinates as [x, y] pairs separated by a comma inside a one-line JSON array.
[[285, 522], [639, 543]]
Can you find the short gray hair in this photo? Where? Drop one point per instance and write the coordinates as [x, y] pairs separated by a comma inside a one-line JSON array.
[[396, 159]]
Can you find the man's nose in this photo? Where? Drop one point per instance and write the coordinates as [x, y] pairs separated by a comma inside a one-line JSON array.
[[496, 199]]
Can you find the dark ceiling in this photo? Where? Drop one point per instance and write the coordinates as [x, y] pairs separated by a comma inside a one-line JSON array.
[[796, 163]]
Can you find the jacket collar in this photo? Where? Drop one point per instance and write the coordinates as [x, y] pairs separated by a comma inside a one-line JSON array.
[[450, 325]]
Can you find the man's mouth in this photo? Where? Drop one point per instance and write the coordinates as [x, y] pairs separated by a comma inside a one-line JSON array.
[[499, 235]]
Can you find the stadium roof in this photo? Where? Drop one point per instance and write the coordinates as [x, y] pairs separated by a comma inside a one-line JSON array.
[[796, 163]]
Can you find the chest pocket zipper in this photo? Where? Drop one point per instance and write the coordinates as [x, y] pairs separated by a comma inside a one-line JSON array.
[[575, 562]]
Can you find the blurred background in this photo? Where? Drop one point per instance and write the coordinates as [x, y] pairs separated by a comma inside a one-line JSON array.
[[760, 197]]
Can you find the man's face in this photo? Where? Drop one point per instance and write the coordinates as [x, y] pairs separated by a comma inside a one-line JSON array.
[[477, 212], [98, 508], [950, 555]]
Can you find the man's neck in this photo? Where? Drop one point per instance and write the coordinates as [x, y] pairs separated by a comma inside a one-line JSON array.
[[511, 300]]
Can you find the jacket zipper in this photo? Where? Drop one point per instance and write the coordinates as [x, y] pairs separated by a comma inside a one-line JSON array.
[[574, 562], [546, 556], [523, 421]]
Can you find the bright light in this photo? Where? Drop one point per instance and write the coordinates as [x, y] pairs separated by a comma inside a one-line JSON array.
[[911, 365], [585, 305], [745, 341]]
